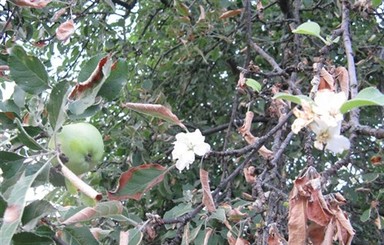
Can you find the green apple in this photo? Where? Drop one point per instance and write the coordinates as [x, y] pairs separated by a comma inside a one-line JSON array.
[[82, 147]]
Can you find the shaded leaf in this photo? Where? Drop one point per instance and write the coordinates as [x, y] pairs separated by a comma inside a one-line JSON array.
[[366, 97], [207, 195], [34, 212], [155, 110], [65, 30], [136, 181], [77, 235], [27, 71], [116, 80], [177, 211], [366, 215], [103, 209], [29, 238], [56, 105], [25, 138]]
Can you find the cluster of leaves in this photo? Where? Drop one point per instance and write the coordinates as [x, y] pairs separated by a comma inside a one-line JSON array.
[[228, 68]]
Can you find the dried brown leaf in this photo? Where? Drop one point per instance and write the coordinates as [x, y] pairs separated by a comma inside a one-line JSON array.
[[241, 81], [231, 13], [249, 174], [236, 215], [297, 221], [208, 233], [316, 233], [207, 195], [202, 14], [58, 14], [329, 233], [80, 184], [345, 230], [65, 30], [245, 131], [326, 80], [155, 110], [274, 236], [317, 209], [342, 76], [38, 4]]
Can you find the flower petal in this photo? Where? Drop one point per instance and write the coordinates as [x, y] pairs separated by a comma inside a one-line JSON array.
[[185, 160], [338, 143], [201, 149]]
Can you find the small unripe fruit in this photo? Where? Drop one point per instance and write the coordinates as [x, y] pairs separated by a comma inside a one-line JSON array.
[[81, 146]]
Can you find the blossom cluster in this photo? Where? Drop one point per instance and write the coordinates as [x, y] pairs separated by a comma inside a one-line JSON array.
[[324, 118]]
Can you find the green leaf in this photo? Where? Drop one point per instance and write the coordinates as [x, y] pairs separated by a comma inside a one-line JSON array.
[[293, 98], [308, 28], [136, 181], [369, 177], [135, 236], [177, 211], [10, 163], [16, 204], [219, 214], [376, 3], [56, 105], [78, 235], [34, 212], [29, 238], [256, 86], [116, 81], [27, 71], [366, 97], [366, 215], [25, 138]]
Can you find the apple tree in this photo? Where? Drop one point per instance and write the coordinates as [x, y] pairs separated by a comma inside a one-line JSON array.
[[191, 122]]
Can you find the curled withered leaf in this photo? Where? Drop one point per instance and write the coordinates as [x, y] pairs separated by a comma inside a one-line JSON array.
[[241, 81], [65, 30], [274, 236], [207, 195], [342, 77], [317, 209], [37, 4], [231, 13], [202, 14], [236, 215], [58, 14], [249, 174], [245, 131], [155, 110], [326, 80]]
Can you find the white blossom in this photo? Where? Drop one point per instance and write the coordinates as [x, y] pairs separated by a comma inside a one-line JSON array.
[[329, 137], [327, 106], [186, 146]]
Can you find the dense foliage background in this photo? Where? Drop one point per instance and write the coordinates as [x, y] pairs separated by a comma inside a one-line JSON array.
[[187, 56]]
